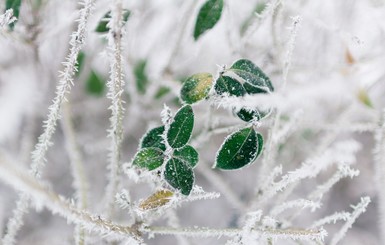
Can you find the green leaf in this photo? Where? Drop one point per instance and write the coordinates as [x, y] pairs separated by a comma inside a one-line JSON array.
[[181, 128], [179, 175], [188, 155], [94, 84], [225, 84], [80, 62], [153, 138], [253, 76], [239, 149], [141, 76], [150, 158], [248, 115], [208, 16], [102, 26], [196, 87], [15, 6]]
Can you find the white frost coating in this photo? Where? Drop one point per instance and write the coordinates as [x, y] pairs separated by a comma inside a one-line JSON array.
[[317, 235], [251, 219], [63, 88], [260, 19], [290, 48], [115, 91], [300, 203], [357, 211], [7, 18], [342, 172], [22, 181], [332, 219], [341, 152], [286, 101], [269, 222]]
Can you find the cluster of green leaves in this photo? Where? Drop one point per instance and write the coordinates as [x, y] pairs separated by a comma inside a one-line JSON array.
[[165, 147], [243, 77], [177, 167]]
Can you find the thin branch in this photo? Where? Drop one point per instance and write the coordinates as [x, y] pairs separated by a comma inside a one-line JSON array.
[[290, 49], [25, 183], [260, 19], [116, 89], [63, 88], [80, 180], [357, 211], [271, 149], [294, 234]]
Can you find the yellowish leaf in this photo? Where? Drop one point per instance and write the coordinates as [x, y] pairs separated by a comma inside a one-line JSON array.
[[156, 200]]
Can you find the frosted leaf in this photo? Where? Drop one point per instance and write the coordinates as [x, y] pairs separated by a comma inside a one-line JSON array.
[[181, 127], [188, 155], [196, 87], [239, 149], [179, 175]]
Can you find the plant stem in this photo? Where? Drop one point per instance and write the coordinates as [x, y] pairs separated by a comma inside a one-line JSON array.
[[44, 142], [22, 181], [116, 89], [80, 180], [295, 234]]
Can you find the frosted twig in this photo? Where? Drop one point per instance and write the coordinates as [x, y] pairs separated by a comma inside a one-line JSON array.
[[331, 219], [77, 167], [260, 19], [115, 92], [294, 234], [290, 49], [301, 203], [62, 89], [342, 152], [173, 221], [379, 160], [25, 183], [342, 172], [251, 220], [357, 211], [271, 149], [277, 171]]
